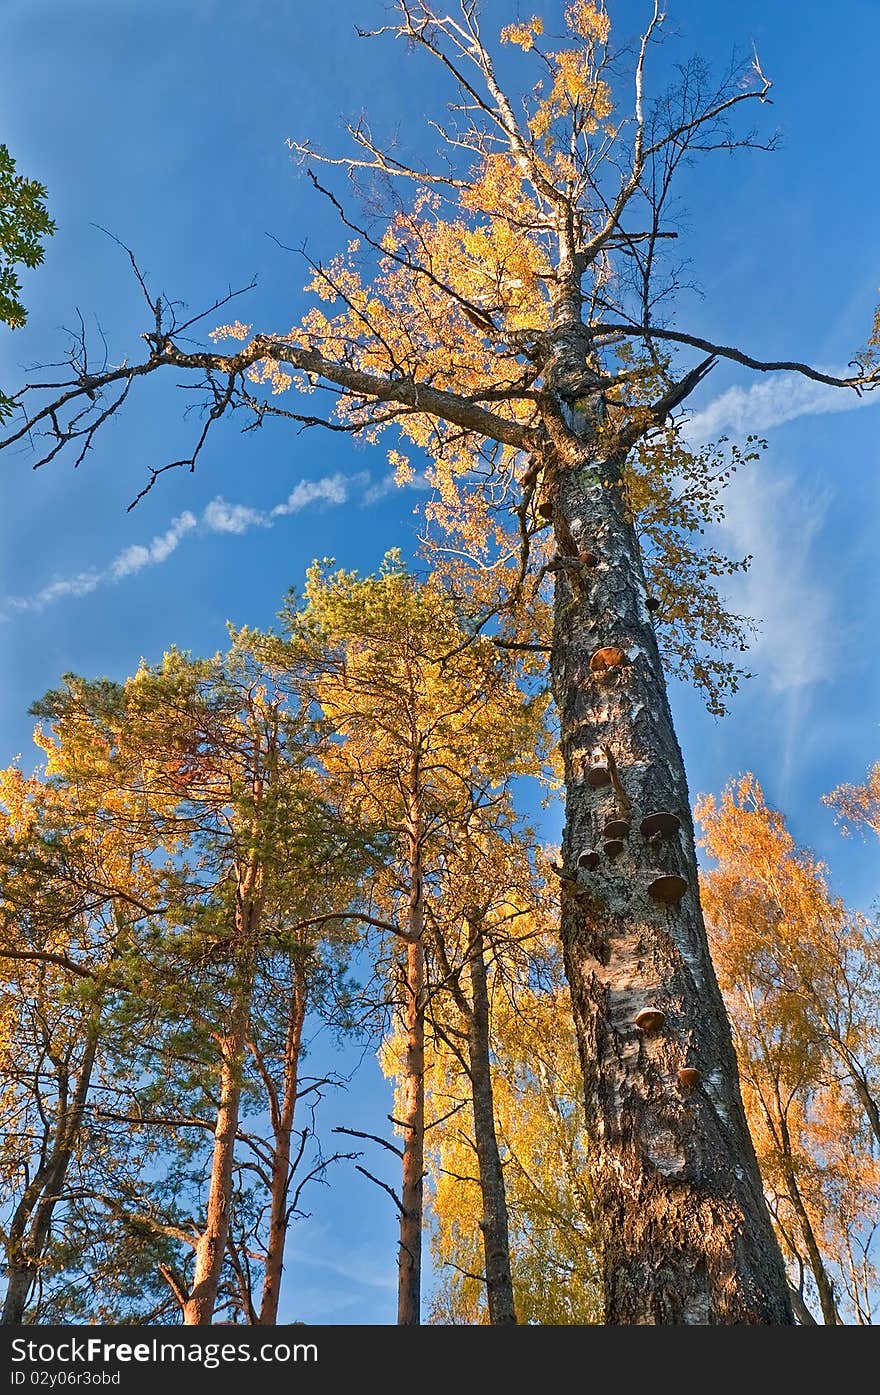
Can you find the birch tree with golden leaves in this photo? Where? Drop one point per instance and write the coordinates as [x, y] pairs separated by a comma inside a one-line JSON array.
[[801, 980]]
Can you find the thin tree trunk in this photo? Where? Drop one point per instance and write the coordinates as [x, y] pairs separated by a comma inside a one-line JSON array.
[[494, 1223], [801, 1311], [201, 1301], [684, 1227], [31, 1223], [282, 1130], [409, 1261], [824, 1288], [198, 1309]]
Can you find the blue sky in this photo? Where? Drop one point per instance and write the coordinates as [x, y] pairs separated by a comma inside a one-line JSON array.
[[166, 123]]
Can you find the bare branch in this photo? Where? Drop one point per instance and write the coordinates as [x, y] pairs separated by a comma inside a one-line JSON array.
[[385, 1187], [373, 1137], [864, 381]]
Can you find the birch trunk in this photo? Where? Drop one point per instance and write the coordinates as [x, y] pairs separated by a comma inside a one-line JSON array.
[[685, 1230]]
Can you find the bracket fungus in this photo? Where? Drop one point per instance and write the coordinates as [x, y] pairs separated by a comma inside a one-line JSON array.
[[590, 859], [617, 828], [649, 1019], [613, 847], [660, 825], [668, 887], [598, 773], [606, 659], [689, 1077]]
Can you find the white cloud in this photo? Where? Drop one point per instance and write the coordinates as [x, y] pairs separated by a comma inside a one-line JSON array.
[[79, 585], [770, 402], [220, 517], [135, 558], [332, 489]]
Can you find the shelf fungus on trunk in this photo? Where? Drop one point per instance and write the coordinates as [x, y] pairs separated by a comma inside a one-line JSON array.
[[598, 773], [668, 888], [607, 659], [650, 1019], [689, 1077], [617, 828], [589, 859], [660, 825], [612, 847]]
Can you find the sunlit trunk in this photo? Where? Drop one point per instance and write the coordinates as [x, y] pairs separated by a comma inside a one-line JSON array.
[[198, 1308], [684, 1229], [282, 1129]]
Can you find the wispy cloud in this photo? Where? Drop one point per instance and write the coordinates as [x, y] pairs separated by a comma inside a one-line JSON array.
[[332, 489], [801, 640], [218, 516], [778, 522], [770, 402], [134, 559]]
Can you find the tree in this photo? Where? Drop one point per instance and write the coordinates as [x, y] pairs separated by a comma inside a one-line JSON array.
[[508, 322], [24, 223], [75, 899], [427, 728], [511, 1055], [801, 979], [471, 927], [857, 806], [216, 768]]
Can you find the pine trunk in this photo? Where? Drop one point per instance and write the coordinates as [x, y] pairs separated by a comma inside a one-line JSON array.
[[198, 1310], [686, 1235], [283, 1128], [200, 1302], [494, 1223]]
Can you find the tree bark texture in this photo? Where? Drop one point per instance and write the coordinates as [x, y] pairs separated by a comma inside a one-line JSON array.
[[687, 1238]]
